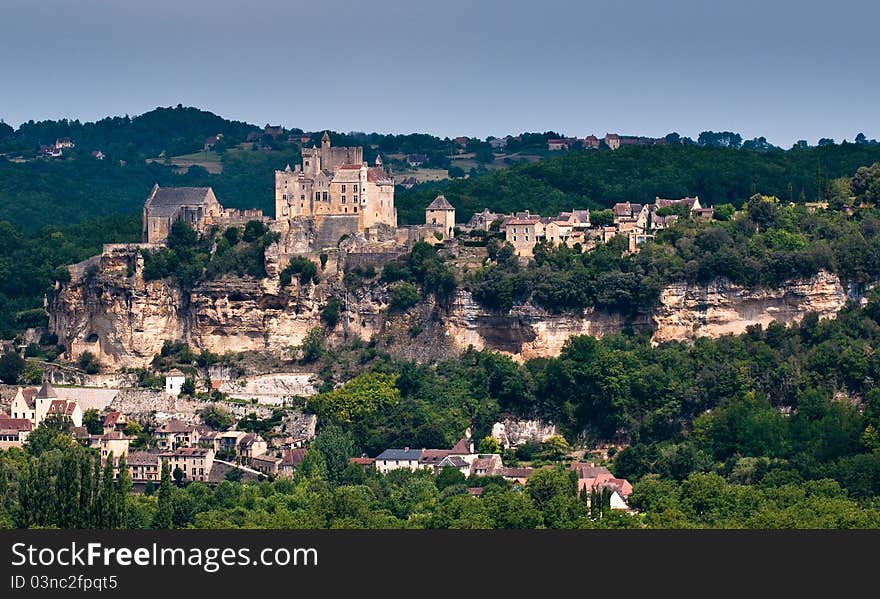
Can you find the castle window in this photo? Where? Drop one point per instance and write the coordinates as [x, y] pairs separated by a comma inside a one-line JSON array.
[[527, 237], [343, 188], [346, 208], [343, 199], [302, 197], [284, 196], [355, 199], [307, 162], [317, 196], [325, 196], [514, 237], [355, 208]]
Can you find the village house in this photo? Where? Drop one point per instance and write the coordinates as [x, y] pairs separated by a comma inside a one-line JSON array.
[[436, 458], [482, 221], [194, 462], [273, 130], [173, 434], [267, 464], [557, 144], [416, 160], [393, 459], [367, 463], [64, 143], [144, 466], [523, 234], [250, 446], [114, 421], [597, 478], [13, 431], [290, 461], [612, 140], [36, 404], [441, 215], [591, 142], [211, 141], [113, 442]]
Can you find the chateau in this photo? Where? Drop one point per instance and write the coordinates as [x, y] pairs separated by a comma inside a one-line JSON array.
[[335, 182]]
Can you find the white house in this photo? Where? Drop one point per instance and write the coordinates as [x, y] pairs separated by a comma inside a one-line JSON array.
[[174, 382], [35, 404], [392, 459]]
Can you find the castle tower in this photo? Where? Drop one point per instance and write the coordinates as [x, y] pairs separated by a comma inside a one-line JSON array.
[[441, 214]]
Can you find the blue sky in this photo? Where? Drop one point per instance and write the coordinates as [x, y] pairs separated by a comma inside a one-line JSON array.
[[779, 68]]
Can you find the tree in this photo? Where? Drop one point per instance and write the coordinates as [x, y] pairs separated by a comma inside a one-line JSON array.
[[93, 423], [88, 363], [489, 445], [162, 518], [217, 417], [11, 366], [403, 297], [556, 447], [188, 387], [233, 475], [178, 476], [312, 347], [32, 373], [336, 447], [53, 432]]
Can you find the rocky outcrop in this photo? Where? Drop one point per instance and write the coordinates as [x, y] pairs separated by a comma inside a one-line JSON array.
[[112, 312], [690, 311]]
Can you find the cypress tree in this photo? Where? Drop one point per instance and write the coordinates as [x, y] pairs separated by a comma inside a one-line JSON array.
[[164, 509]]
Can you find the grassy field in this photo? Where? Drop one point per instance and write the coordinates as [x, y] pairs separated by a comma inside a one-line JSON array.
[[210, 161]]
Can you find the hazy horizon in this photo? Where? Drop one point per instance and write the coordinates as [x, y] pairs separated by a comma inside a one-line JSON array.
[[784, 71]]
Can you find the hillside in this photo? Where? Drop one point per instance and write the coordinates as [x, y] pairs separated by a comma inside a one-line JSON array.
[[598, 179]]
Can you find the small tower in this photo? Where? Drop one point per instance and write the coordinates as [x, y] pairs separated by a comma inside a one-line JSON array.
[[378, 161], [441, 214], [325, 141]]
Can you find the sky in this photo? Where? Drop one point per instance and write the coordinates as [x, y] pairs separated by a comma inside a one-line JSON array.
[[782, 69]]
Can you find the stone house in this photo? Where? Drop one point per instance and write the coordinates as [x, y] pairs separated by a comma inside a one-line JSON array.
[[597, 478], [267, 464], [523, 234], [195, 462], [144, 466], [393, 459], [175, 433], [36, 404], [290, 460], [13, 431]]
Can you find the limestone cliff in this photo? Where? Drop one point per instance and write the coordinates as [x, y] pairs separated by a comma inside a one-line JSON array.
[[109, 310]]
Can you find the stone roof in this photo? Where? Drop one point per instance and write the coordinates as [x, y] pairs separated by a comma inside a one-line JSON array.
[[174, 373], [187, 452], [293, 457], [440, 203], [14, 424], [142, 458], [453, 460], [62, 407], [46, 392], [165, 201], [29, 393], [175, 426]]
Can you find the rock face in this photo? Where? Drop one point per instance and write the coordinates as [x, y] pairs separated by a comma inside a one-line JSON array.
[[687, 312], [109, 310]]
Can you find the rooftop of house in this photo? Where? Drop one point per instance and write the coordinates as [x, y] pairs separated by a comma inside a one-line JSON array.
[[112, 418], [293, 457], [362, 461], [174, 373], [14, 424], [175, 426], [142, 458], [187, 452], [62, 407], [267, 459], [454, 461], [406, 455], [29, 394]]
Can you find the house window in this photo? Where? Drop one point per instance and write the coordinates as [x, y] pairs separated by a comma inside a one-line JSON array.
[[355, 208], [514, 237], [343, 199], [307, 162], [527, 237], [346, 208], [355, 199], [284, 196], [302, 197], [325, 196], [317, 196], [343, 188]]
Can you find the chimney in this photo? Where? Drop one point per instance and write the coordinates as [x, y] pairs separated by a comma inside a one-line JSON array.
[[406, 448]]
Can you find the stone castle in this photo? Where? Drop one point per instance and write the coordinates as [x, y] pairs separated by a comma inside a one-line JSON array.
[[335, 182]]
